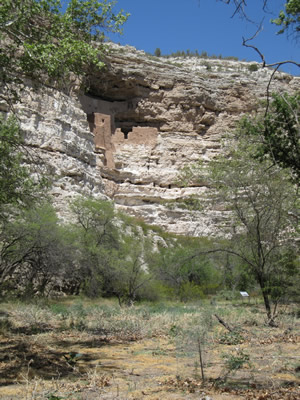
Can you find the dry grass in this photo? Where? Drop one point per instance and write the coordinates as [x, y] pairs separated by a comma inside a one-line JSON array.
[[80, 349]]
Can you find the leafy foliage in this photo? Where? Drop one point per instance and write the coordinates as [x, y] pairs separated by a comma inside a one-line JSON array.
[[262, 201], [277, 133], [290, 18], [16, 186], [35, 248], [114, 255], [187, 273], [39, 40], [236, 361]]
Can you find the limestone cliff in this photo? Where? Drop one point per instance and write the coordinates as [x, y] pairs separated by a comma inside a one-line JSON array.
[[151, 116], [60, 144], [143, 119]]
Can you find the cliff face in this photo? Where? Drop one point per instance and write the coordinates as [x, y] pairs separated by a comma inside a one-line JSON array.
[[151, 116], [60, 144], [143, 120]]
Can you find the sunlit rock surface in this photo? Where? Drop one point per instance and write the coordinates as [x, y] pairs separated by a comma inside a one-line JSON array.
[[142, 121]]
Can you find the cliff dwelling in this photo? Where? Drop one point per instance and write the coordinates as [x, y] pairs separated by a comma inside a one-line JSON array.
[[113, 130]]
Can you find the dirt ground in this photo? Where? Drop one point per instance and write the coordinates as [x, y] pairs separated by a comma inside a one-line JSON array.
[[56, 364]]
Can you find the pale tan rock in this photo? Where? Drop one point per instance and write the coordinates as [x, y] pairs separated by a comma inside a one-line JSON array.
[[61, 145], [148, 118], [191, 109]]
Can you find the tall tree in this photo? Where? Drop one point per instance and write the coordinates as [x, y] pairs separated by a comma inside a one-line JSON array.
[[263, 218], [184, 271], [114, 256]]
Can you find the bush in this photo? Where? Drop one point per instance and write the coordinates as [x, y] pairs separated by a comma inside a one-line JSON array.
[[253, 67], [231, 338], [157, 52], [190, 291]]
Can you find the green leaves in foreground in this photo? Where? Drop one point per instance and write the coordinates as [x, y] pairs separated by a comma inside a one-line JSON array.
[[41, 40], [289, 18]]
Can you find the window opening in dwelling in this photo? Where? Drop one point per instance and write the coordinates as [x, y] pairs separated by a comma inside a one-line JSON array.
[[126, 131]]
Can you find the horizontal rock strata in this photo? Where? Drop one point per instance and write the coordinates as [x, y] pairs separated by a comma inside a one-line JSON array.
[[60, 145], [142, 121], [152, 116]]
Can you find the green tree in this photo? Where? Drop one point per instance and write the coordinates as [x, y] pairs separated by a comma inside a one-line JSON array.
[[114, 256], [96, 219], [184, 271], [36, 252], [97, 237], [128, 272], [263, 204], [276, 133], [157, 52], [39, 40], [16, 186]]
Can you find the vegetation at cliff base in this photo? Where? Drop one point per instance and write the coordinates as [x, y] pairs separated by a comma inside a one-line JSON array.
[[257, 178], [98, 304], [102, 253]]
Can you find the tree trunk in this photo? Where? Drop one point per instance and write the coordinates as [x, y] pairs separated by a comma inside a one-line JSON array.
[[267, 302]]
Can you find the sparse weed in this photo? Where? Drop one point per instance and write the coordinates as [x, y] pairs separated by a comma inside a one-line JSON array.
[[236, 361], [32, 317], [5, 324], [231, 338]]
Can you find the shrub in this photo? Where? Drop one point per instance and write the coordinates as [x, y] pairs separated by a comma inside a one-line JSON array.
[[157, 52], [233, 362], [253, 67], [231, 338]]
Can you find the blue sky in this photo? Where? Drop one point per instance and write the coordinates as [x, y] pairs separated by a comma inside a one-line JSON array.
[[205, 25]]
